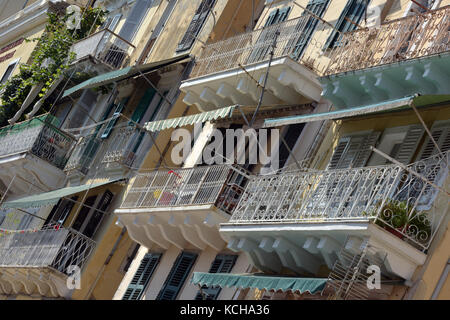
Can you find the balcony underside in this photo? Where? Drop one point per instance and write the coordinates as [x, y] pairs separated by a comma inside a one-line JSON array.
[[304, 248], [39, 281], [182, 227], [29, 171], [288, 83], [428, 75]]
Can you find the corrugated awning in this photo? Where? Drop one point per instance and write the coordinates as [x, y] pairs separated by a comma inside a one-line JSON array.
[[311, 285], [50, 198], [189, 120], [419, 101], [123, 74]]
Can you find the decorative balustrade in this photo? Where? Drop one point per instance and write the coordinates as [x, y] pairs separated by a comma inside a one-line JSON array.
[[387, 195], [54, 248], [105, 46], [292, 39], [402, 39], [38, 136], [218, 185]]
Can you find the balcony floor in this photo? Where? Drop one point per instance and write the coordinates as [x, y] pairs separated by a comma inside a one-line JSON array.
[[304, 247], [289, 83]]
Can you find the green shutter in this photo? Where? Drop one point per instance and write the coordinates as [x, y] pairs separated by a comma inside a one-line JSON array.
[[354, 10], [143, 105], [177, 276], [142, 276], [306, 27], [221, 264], [110, 126]]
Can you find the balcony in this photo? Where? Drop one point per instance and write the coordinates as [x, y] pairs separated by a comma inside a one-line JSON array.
[[115, 153], [39, 263], [232, 71], [181, 207], [35, 151], [104, 47], [311, 214], [368, 64]]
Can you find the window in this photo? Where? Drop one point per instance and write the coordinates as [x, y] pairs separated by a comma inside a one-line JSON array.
[[177, 276], [221, 264], [263, 44], [117, 111], [8, 72], [92, 213], [196, 24], [142, 276], [134, 19], [348, 21], [305, 27], [291, 135], [61, 211], [82, 110]]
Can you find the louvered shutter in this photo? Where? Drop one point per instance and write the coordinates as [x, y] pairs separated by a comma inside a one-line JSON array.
[[177, 276], [221, 264], [338, 153], [409, 144], [196, 24], [134, 19], [354, 10], [266, 36], [433, 172], [98, 214], [143, 105], [305, 27], [110, 126], [365, 150], [142, 276]]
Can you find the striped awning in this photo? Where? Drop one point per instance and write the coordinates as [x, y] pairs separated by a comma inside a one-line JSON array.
[[154, 126], [389, 105], [243, 281], [52, 197], [123, 74]]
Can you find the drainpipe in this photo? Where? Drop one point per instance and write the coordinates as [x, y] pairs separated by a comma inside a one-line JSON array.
[[108, 259]]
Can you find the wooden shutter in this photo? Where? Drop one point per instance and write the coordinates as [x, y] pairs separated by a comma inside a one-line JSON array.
[[142, 276], [305, 27], [61, 210], [195, 26], [353, 151], [177, 276], [354, 10], [134, 19], [433, 172], [265, 37], [409, 144], [110, 126], [221, 264], [143, 105]]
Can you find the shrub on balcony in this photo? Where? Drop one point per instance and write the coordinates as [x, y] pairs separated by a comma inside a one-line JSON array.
[[49, 60]]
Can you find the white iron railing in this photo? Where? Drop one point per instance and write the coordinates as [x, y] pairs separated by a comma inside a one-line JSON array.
[[39, 137], [388, 195], [218, 185], [105, 46], [402, 39], [51, 248], [294, 38]]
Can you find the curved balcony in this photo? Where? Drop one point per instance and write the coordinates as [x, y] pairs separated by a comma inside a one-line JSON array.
[[40, 262], [35, 151]]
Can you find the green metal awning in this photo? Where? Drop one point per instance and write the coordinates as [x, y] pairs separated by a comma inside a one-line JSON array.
[[123, 74], [50, 198], [419, 101], [311, 285], [189, 120]]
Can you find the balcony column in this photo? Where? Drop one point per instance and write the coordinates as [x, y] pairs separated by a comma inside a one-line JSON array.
[[328, 248], [16, 286], [436, 74], [209, 96], [192, 98], [58, 285], [285, 257], [281, 91], [191, 235], [5, 285], [248, 87], [226, 91], [302, 258], [169, 233], [209, 235]]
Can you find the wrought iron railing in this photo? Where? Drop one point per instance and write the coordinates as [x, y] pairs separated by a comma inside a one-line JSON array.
[[105, 46], [54, 248], [38, 136], [294, 38], [402, 39], [390, 196], [219, 185], [122, 145]]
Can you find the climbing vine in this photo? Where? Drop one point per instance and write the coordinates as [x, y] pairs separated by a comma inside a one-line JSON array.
[[50, 58]]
